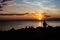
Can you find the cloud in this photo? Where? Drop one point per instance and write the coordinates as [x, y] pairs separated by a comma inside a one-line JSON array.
[[15, 5], [51, 7], [16, 8], [4, 1], [39, 3], [2, 4], [34, 3], [42, 5], [27, 5]]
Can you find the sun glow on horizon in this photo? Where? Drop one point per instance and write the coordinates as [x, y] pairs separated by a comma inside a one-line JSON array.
[[40, 17]]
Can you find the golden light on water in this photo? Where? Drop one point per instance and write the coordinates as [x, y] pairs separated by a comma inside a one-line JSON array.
[[39, 24]]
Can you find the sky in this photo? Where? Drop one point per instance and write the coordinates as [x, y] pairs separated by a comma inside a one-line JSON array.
[[50, 7]]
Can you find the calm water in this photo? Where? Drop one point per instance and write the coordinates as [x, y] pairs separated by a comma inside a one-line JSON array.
[[7, 25]]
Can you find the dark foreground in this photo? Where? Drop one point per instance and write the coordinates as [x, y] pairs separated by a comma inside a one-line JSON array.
[[39, 33]]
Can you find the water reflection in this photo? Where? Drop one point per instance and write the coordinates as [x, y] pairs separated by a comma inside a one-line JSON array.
[[22, 24], [40, 24]]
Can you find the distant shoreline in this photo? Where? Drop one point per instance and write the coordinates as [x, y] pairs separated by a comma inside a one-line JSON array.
[[29, 20]]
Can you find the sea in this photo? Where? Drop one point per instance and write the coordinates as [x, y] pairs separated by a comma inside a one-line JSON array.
[[8, 25]]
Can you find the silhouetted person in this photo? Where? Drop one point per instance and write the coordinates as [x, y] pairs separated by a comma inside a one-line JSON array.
[[44, 24]]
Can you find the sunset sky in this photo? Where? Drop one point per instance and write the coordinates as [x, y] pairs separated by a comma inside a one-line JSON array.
[[33, 7]]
